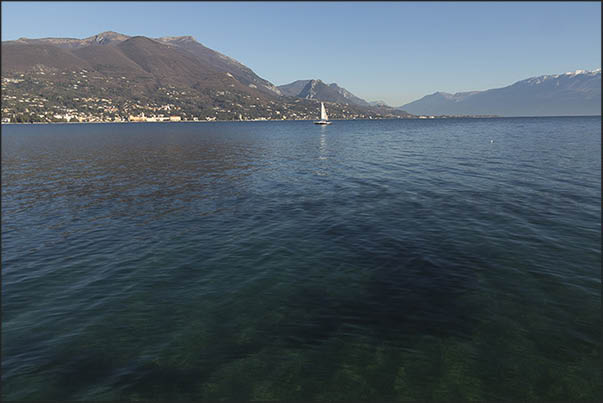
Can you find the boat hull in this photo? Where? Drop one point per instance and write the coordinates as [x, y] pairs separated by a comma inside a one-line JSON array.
[[322, 122]]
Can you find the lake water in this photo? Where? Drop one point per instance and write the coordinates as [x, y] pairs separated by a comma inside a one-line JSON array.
[[388, 260]]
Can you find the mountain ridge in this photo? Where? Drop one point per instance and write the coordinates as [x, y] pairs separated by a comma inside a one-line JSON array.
[[319, 90], [114, 76], [567, 94], [208, 56]]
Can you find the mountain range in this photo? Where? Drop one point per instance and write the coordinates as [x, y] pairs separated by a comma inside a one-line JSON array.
[[169, 59], [147, 75], [569, 94], [212, 60], [177, 73]]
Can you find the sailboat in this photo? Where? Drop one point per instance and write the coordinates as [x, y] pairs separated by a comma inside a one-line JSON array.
[[324, 119]]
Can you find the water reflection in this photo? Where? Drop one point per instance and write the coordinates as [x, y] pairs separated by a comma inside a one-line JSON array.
[[323, 145], [322, 167], [141, 172]]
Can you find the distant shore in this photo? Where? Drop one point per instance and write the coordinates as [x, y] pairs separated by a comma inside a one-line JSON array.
[[298, 120], [236, 121]]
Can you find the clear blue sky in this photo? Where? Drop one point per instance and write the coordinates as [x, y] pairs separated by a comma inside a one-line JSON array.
[[391, 51]]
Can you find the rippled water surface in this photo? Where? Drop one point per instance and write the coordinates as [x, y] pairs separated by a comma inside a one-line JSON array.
[[403, 259]]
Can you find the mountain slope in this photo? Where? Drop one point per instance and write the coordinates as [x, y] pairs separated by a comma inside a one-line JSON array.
[[293, 89], [109, 60], [164, 62], [222, 63], [209, 58], [569, 94], [316, 89], [17, 57], [145, 61], [112, 76]]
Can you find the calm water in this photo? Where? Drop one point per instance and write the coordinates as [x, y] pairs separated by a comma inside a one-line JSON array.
[[445, 259]]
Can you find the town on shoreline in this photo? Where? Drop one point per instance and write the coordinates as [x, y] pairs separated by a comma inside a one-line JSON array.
[[152, 120], [40, 97]]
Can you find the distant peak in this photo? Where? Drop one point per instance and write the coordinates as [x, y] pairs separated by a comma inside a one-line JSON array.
[[107, 36], [111, 35], [187, 38], [569, 74], [378, 103], [574, 73]]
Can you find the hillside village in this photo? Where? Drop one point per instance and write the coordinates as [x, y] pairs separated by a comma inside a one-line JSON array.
[[111, 77], [45, 96], [115, 78]]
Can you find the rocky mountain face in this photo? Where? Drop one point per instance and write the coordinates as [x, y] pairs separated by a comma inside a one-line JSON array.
[[318, 90], [569, 94], [293, 89]]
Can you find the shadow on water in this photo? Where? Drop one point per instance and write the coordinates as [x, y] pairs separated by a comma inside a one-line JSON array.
[[402, 294], [395, 295]]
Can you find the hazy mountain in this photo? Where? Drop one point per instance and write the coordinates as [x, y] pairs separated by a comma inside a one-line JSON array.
[[573, 93], [378, 103], [293, 89], [316, 89]]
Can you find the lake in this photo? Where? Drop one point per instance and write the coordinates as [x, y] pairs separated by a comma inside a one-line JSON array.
[[446, 259]]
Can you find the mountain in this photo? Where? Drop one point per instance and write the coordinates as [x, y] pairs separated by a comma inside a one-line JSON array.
[[20, 57], [146, 63], [103, 38], [316, 89], [208, 58], [569, 94], [113, 76], [223, 63], [293, 89], [378, 103]]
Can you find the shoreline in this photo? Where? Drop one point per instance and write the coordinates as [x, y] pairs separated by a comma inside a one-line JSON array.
[[297, 120]]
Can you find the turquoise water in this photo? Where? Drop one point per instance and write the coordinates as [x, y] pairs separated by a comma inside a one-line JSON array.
[[449, 259]]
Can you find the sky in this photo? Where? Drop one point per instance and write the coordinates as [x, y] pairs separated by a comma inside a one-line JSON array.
[[396, 52]]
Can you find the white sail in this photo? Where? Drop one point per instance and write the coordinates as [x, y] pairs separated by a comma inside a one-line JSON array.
[[324, 118], [323, 112]]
